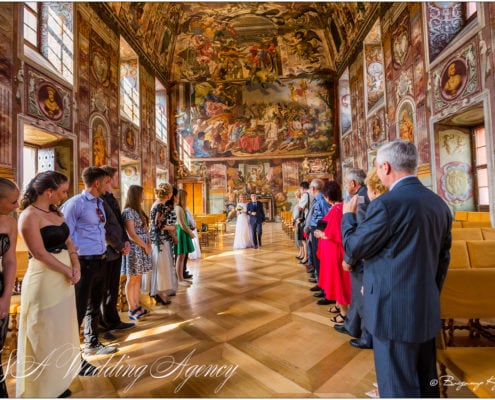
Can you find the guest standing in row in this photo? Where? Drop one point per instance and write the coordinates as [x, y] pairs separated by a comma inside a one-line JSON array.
[[405, 243], [333, 280], [163, 279], [184, 235], [9, 201], [48, 328], [117, 246], [138, 261], [85, 216]]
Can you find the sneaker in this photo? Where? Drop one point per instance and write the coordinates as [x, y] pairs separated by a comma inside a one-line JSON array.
[[99, 349]]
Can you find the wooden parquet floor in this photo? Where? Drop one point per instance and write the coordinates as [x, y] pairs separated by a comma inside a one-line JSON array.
[[247, 327]]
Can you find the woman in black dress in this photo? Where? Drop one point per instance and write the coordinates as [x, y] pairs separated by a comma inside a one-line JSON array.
[[9, 201]]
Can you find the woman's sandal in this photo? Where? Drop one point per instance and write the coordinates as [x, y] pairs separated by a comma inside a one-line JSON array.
[[137, 313], [338, 319], [334, 310]]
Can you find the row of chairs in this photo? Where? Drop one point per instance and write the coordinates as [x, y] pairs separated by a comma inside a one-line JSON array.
[[466, 254], [472, 216], [286, 219]]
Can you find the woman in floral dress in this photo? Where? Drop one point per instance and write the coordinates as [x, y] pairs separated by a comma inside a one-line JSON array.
[[138, 261]]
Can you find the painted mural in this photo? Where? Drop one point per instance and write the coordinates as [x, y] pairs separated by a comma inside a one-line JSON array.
[[47, 99], [232, 120], [375, 85], [99, 139], [345, 103], [455, 175], [457, 78]]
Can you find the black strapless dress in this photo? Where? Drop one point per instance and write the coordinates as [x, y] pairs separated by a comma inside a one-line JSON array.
[[48, 328], [4, 323]]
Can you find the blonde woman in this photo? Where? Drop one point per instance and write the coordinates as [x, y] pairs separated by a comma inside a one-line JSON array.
[[163, 277], [185, 235], [138, 261], [243, 238], [374, 185]]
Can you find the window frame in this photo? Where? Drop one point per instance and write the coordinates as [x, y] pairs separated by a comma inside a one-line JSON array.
[[37, 14], [476, 167]]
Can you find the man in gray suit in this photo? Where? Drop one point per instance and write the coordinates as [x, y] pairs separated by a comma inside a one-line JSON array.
[[354, 323], [405, 241]]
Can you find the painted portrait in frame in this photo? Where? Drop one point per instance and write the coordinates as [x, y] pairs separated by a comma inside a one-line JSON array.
[[453, 79]]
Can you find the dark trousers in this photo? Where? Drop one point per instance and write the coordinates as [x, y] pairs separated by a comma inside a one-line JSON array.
[[406, 369], [355, 320], [314, 249], [256, 231], [89, 294], [110, 315], [4, 325], [185, 271]]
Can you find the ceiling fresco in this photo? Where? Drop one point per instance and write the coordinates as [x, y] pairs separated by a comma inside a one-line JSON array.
[[254, 42]]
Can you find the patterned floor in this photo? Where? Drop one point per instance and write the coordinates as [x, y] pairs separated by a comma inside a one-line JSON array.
[[247, 327]]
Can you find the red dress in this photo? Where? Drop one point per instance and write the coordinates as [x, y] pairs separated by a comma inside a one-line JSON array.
[[335, 282]]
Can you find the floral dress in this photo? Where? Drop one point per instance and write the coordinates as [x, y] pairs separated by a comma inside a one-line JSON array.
[[137, 262]]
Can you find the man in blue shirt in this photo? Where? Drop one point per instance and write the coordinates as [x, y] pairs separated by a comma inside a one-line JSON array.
[[85, 216]]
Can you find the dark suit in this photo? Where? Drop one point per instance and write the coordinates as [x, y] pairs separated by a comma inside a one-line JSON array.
[[354, 322], [405, 241], [256, 219], [116, 236]]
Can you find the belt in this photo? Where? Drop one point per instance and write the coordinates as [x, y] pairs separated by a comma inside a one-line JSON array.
[[97, 257]]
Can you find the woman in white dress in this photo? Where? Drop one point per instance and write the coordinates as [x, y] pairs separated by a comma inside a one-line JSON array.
[[48, 328], [196, 254], [163, 280], [242, 237]]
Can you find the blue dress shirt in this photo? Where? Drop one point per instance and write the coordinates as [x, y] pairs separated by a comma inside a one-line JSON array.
[[86, 223]]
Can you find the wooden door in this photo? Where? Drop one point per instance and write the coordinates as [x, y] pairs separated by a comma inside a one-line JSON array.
[[194, 197]]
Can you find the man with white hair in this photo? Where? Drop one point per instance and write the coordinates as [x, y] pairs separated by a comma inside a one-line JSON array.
[[405, 241]]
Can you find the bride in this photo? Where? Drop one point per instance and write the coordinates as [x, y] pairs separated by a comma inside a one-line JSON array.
[[242, 237]]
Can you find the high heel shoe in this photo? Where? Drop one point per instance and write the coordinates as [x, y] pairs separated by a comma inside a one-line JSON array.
[[159, 300]]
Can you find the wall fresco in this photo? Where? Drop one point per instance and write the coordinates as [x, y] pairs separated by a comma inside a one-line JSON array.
[[230, 120], [47, 99]]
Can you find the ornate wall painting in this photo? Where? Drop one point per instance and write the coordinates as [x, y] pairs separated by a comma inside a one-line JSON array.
[[229, 120], [455, 183], [400, 39], [374, 76], [346, 147], [303, 52], [345, 103], [218, 177], [6, 42], [47, 99], [129, 138], [376, 128], [405, 120], [290, 175], [161, 154], [445, 20], [100, 138], [453, 79], [457, 78], [371, 158]]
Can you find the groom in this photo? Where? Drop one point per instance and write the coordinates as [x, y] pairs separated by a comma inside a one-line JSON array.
[[256, 219]]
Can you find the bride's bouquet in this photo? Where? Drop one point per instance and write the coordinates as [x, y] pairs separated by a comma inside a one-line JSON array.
[[239, 208]]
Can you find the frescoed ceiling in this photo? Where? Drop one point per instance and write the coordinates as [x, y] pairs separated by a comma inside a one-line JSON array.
[[250, 41]]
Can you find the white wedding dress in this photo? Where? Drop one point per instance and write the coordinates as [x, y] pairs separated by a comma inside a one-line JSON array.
[[242, 237]]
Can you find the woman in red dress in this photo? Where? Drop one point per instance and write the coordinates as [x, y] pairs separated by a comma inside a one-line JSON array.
[[335, 282]]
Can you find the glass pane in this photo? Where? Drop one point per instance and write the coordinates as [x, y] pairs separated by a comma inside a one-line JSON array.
[[483, 177], [32, 4], [30, 36], [470, 8], [480, 137], [483, 196], [481, 156]]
